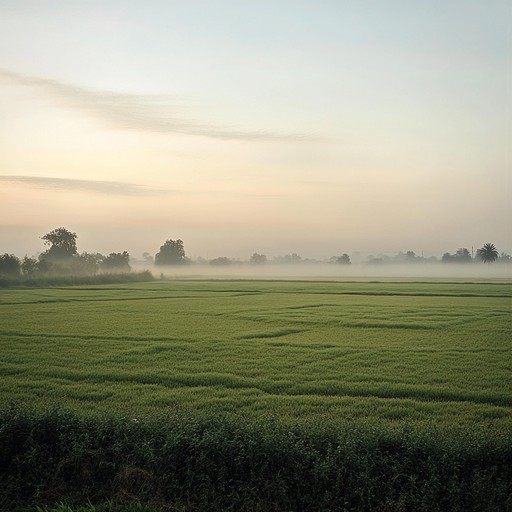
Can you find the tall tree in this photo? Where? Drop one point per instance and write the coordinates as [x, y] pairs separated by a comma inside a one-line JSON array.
[[487, 253], [62, 244], [171, 253]]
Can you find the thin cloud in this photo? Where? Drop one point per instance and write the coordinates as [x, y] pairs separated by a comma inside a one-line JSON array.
[[117, 187], [141, 112], [103, 187]]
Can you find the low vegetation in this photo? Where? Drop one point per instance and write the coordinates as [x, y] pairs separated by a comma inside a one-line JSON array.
[[74, 280], [251, 395]]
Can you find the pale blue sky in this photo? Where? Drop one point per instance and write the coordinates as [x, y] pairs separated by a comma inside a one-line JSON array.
[[285, 126]]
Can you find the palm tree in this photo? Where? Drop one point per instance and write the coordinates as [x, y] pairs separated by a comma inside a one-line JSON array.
[[487, 253]]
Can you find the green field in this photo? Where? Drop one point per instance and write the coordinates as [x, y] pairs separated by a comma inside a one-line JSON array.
[[339, 356], [348, 351]]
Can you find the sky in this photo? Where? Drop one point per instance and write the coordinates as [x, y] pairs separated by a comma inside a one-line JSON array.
[[316, 127]]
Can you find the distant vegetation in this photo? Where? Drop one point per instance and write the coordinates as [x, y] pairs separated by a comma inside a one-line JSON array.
[[74, 280], [61, 265], [62, 259], [221, 261], [171, 253]]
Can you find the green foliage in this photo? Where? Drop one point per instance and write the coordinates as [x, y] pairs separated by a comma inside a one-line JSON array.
[[258, 259], [62, 244], [171, 253], [208, 463], [487, 253], [45, 280], [86, 264], [10, 265], [461, 256], [116, 261], [108, 506], [29, 266]]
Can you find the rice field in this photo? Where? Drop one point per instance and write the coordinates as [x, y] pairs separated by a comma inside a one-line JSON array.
[[257, 395], [362, 352]]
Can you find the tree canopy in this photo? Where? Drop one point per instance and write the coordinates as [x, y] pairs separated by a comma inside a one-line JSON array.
[[487, 253], [171, 253], [461, 256], [221, 261], [62, 244], [117, 261], [344, 259], [10, 265]]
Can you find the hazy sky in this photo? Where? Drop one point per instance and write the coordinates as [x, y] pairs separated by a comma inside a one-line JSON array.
[[317, 127]]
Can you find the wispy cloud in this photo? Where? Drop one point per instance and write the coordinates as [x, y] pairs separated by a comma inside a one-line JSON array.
[[141, 112], [103, 187], [120, 188]]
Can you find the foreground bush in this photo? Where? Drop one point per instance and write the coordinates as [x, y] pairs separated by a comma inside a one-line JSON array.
[[208, 464]]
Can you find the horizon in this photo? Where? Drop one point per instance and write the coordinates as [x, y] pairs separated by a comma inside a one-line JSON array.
[[34, 245]]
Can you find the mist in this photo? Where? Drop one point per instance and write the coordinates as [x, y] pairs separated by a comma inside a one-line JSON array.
[[331, 272]]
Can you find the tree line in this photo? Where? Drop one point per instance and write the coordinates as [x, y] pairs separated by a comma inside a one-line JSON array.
[[62, 258], [486, 254]]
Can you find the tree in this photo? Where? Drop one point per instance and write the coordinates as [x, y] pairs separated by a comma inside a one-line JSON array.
[[461, 256], [44, 266], [29, 266], [62, 244], [288, 259], [85, 264], [504, 258], [9, 265], [406, 257], [258, 259], [171, 253], [116, 261], [344, 259], [487, 253]]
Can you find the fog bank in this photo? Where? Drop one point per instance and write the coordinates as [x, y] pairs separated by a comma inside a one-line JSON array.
[[333, 272]]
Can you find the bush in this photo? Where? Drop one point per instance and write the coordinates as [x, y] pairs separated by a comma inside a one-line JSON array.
[[203, 463]]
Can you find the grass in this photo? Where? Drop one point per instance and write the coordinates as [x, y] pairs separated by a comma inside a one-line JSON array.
[[107, 506], [291, 349], [388, 373]]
